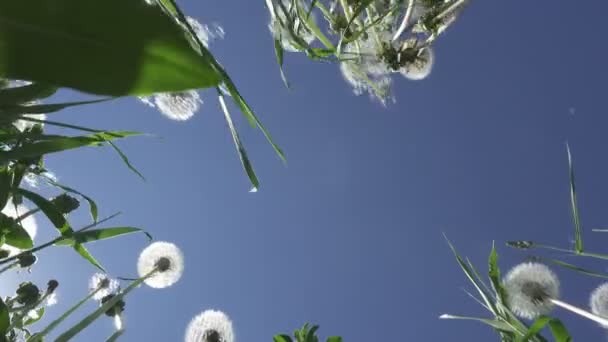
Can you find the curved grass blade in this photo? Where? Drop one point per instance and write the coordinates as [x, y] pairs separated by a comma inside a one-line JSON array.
[[282, 338], [239, 146], [24, 94], [53, 144], [92, 205], [334, 339], [125, 160], [279, 52], [575, 268]]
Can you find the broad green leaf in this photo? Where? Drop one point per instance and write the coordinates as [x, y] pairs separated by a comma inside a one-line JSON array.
[[334, 339], [25, 94], [46, 108], [557, 329], [53, 144], [5, 320], [578, 239], [310, 336], [16, 235], [239, 146], [150, 56], [99, 234], [80, 249], [282, 338]]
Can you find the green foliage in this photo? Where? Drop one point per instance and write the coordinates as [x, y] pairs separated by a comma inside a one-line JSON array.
[[308, 333], [140, 53]]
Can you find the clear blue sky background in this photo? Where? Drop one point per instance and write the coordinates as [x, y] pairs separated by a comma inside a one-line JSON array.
[[348, 235]]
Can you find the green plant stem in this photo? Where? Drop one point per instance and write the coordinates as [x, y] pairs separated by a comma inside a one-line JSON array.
[[9, 266], [38, 337], [85, 322], [404, 24]]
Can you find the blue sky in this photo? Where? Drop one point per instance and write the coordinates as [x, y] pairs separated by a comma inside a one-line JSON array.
[[349, 234]]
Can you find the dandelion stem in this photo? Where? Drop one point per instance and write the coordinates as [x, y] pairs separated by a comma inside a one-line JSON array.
[[9, 266], [38, 337], [85, 322], [406, 19], [580, 312]]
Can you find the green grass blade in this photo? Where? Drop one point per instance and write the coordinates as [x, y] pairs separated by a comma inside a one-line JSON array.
[[496, 324], [24, 94], [115, 335], [85, 322], [239, 146], [100, 234], [578, 239]]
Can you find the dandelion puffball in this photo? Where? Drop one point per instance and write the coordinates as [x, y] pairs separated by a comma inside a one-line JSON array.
[[421, 67], [166, 258], [103, 284], [599, 301], [178, 106], [530, 286], [210, 326]]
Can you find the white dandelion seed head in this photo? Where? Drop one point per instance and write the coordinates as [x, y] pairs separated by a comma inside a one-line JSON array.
[[366, 72], [29, 223], [205, 33], [166, 256], [529, 287], [103, 282], [420, 68], [210, 326], [599, 301], [178, 106]]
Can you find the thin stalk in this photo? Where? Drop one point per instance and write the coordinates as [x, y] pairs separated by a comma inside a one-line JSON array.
[[38, 337], [579, 311], [404, 24], [9, 266], [85, 322]]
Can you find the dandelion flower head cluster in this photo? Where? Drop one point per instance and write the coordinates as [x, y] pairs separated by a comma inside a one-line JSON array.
[[530, 286]]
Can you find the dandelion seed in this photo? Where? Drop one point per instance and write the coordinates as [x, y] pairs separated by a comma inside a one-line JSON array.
[[118, 324], [51, 299], [599, 301], [529, 287], [103, 284], [176, 106], [421, 67], [205, 33], [210, 326], [164, 257]]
